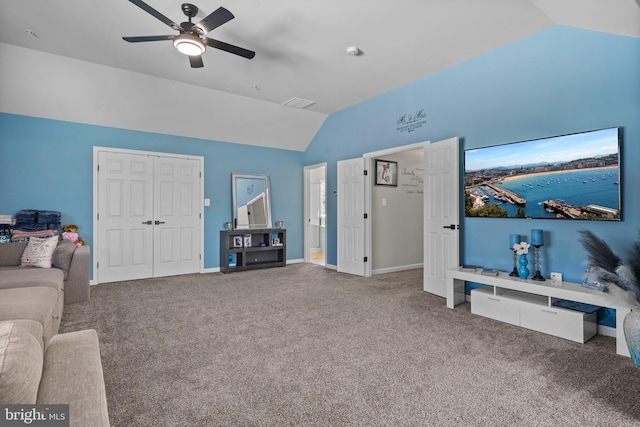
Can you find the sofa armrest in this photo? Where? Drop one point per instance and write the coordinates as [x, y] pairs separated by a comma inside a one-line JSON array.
[[76, 287], [73, 375]]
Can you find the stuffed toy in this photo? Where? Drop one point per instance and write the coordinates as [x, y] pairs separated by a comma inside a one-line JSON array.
[[70, 232]]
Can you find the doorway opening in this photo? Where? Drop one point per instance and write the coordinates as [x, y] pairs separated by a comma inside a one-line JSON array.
[[395, 203], [315, 232]]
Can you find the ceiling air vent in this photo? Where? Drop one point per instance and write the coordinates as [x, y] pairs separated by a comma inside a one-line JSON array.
[[298, 103]]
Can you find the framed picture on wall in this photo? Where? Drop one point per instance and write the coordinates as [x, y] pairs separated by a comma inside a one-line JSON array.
[[386, 173]]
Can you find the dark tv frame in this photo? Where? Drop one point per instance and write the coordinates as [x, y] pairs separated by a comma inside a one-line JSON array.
[[487, 179]]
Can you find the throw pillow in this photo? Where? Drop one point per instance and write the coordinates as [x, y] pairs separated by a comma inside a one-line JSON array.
[[21, 366], [39, 252]]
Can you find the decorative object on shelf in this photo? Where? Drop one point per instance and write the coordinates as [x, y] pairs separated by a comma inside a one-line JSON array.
[[631, 327], [228, 226], [607, 267], [247, 240], [514, 239], [589, 282], [280, 224], [386, 173], [537, 240], [522, 249], [237, 241]]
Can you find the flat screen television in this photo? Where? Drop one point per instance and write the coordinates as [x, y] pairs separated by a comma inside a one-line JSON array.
[[576, 177]]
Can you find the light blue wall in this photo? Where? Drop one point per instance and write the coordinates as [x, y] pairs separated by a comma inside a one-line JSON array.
[[48, 164], [559, 81]]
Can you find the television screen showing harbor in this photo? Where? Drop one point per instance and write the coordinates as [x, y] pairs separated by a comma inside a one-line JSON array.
[[573, 176]]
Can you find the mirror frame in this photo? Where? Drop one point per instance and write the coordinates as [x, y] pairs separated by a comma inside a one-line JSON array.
[[234, 200]]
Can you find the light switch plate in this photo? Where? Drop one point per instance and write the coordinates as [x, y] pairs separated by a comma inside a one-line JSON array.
[[556, 278]]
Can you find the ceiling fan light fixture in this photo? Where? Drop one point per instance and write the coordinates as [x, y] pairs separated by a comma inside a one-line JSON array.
[[189, 44]]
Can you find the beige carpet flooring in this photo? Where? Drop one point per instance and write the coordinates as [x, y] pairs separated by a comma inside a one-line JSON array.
[[307, 346]]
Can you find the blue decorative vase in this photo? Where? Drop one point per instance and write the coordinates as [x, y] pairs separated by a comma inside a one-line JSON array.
[[631, 326], [523, 271]]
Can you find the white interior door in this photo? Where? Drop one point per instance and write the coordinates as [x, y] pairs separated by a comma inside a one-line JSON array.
[[125, 215], [351, 222], [441, 213], [176, 216], [148, 220]]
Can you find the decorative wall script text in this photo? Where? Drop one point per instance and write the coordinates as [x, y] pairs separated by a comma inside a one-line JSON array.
[[412, 180], [411, 122]]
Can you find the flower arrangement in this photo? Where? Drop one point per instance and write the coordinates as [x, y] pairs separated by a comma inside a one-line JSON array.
[[521, 248]]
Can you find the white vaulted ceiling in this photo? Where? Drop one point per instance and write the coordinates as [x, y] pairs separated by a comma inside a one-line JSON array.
[[300, 45]]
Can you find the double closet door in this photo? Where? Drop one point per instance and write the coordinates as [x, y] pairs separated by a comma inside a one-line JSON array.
[[148, 215]]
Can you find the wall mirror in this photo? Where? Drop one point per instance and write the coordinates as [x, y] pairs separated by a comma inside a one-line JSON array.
[[251, 201]]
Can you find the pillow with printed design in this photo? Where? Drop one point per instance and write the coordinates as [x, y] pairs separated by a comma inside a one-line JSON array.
[[39, 252]]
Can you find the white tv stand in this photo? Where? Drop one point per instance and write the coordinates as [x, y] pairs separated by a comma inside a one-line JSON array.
[[456, 279]]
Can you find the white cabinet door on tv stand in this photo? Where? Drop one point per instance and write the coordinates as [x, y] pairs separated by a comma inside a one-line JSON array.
[[456, 279]]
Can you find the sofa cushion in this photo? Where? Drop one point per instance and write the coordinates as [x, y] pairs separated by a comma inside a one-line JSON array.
[[32, 326], [62, 256], [36, 303], [21, 365], [39, 252], [11, 253], [26, 277], [73, 375]]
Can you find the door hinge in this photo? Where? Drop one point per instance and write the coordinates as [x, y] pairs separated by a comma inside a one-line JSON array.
[[97, 264], [366, 259], [200, 215], [366, 172], [200, 256], [98, 217], [366, 216], [98, 168]]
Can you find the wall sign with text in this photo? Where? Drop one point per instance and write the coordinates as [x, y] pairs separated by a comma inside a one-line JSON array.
[[410, 122]]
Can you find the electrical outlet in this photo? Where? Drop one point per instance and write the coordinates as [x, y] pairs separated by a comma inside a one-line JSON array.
[[556, 278]]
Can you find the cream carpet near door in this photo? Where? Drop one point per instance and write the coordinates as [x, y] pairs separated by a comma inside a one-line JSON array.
[[307, 346]]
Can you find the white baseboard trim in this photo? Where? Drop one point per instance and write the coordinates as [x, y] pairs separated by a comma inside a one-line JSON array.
[[331, 267], [607, 331], [217, 269], [398, 268]]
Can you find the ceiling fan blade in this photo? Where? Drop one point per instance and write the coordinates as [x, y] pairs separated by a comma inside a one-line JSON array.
[[249, 54], [214, 20], [196, 61], [138, 39], [151, 11]]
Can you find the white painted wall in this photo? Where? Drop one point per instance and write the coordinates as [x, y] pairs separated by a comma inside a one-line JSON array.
[[39, 84], [396, 229]]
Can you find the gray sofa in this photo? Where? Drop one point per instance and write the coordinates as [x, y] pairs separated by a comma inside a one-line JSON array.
[[38, 365], [71, 263]]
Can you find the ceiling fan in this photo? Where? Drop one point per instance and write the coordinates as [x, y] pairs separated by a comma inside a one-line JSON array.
[[191, 40]]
